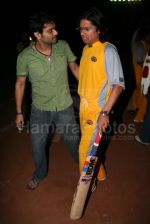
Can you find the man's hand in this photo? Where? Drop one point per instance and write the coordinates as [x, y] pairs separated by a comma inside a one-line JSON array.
[[103, 122], [19, 120]]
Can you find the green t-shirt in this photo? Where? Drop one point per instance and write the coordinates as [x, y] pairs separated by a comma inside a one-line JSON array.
[[48, 77]]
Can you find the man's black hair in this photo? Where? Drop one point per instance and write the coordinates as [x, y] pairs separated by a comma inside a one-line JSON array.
[[95, 16], [38, 20]]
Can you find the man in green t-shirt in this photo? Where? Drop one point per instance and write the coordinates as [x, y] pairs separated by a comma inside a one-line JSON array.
[[45, 62]]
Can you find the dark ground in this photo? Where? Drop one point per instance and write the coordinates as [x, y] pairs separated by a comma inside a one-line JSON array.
[[123, 198]]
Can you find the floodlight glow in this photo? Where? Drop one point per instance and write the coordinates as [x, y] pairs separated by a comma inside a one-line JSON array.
[[127, 1]]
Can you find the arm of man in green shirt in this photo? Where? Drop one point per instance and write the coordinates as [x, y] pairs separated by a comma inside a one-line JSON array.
[[19, 93], [74, 69]]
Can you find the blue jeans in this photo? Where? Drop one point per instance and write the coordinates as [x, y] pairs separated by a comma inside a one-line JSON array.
[[44, 123], [145, 132]]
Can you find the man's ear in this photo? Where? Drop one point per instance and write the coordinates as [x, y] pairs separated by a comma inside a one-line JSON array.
[[98, 30], [37, 35]]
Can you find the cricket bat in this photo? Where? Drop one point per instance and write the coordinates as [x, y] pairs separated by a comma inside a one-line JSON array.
[[85, 180]]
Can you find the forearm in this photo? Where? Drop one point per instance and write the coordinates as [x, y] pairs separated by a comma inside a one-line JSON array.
[[114, 95], [76, 73], [19, 93], [103, 120], [74, 69]]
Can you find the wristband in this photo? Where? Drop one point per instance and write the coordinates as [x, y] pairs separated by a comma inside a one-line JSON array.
[[19, 113], [104, 113]]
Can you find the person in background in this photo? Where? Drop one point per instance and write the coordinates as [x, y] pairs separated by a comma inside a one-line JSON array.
[[139, 49], [144, 135], [101, 82], [45, 63], [23, 42]]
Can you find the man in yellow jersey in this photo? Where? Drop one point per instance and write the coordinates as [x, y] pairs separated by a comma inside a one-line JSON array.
[[101, 81]]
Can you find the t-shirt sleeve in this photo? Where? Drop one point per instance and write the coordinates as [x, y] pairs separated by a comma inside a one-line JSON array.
[[68, 52], [139, 52], [113, 66], [21, 67]]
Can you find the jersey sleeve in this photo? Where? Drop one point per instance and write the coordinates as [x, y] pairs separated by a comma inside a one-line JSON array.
[[113, 66]]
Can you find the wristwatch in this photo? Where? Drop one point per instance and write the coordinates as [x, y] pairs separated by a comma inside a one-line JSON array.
[[104, 113]]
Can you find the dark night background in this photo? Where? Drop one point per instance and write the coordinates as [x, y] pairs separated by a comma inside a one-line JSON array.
[[122, 19]]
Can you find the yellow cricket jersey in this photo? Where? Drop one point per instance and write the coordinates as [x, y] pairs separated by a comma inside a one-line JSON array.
[[93, 84], [100, 69]]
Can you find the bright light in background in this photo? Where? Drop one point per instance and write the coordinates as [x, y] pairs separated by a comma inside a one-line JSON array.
[[126, 1]]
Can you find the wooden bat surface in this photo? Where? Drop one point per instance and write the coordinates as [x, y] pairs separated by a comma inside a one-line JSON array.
[[85, 181]]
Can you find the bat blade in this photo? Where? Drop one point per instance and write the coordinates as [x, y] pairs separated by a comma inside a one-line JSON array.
[[85, 180], [83, 188]]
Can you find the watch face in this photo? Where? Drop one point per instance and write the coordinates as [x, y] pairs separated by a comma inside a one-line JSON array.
[[104, 113]]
